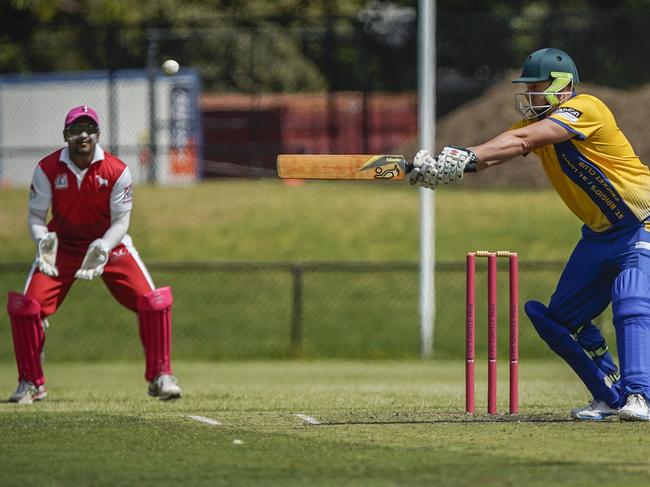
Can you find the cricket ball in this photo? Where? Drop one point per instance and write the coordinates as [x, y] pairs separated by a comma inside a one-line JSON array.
[[170, 67]]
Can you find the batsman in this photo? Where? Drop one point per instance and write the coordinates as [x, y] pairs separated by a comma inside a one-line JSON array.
[[595, 171], [89, 193]]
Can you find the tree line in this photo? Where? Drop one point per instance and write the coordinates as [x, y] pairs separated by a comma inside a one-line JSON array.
[[307, 45]]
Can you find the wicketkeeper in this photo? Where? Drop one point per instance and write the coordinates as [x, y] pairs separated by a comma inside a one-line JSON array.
[[595, 171], [89, 192]]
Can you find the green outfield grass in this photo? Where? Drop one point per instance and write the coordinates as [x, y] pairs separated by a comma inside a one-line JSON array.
[[221, 315], [383, 423], [267, 220], [247, 315]]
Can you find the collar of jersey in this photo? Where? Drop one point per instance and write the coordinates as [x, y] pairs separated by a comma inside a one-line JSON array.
[[65, 157]]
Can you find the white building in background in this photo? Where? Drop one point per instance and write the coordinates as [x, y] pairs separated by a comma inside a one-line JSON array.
[[33, 107]]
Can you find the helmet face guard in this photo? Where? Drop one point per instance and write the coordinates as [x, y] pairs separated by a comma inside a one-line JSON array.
[[562, 84]]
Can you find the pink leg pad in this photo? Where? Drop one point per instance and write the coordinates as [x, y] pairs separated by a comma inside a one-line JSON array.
[[28, 335], [155, 323]]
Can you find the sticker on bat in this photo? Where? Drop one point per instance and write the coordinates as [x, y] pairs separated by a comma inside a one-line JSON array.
[[385, 167]]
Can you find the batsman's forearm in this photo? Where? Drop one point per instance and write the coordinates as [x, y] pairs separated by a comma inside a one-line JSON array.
[[500, 149]]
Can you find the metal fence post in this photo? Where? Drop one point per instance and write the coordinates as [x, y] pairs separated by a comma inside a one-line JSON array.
[[152, 71], [112, 50], [296, 311]]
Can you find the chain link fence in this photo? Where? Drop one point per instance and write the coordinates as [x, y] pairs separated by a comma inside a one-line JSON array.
[[242, 96], [150, 121], [245, 94], [280, 310], [249, 89]]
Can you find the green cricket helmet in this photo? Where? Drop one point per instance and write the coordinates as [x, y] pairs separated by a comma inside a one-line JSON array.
[[547, 64], [540, 66]]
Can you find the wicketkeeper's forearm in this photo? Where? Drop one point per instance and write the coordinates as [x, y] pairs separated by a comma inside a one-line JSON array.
[[36, 224], [117, 231]]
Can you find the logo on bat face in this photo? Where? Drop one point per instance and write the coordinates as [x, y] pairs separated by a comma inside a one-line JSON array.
[[385, 167]]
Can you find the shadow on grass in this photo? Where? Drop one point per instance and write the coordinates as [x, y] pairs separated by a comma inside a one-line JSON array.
[[465, 418]]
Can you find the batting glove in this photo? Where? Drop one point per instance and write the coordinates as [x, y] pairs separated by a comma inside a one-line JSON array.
[[94, 261], [456, 161], [46, 254], [425, 170]]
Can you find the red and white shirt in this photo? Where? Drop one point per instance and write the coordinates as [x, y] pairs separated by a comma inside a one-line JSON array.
[[83, 202]]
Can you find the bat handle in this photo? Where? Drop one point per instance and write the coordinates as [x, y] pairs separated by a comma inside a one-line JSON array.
[[408, 167]]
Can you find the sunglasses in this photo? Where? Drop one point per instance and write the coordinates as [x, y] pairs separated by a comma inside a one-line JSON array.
[[79, 129]]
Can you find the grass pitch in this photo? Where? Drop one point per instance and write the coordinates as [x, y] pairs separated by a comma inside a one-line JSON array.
[[382, 423]]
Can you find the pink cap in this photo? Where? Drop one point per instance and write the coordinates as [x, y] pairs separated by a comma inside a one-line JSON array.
[[82, 111]]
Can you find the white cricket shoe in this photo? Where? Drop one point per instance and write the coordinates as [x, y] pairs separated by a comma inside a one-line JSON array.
[[27, 393], [635, 409], [594, 411], [164, 387]]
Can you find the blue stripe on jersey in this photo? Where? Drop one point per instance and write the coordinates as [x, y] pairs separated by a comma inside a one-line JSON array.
[[580, 135], [588, 177]]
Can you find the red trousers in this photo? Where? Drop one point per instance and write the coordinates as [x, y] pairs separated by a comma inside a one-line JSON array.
[[125, 275], [127, 279]]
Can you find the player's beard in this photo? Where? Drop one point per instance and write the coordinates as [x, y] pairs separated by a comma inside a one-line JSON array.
[[85, 146]]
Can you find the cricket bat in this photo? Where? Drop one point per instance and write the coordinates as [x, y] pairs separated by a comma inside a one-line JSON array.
[[340, 166]]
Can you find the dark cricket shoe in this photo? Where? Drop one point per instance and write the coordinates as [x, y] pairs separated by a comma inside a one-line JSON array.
[[164, 387], [27, 393]]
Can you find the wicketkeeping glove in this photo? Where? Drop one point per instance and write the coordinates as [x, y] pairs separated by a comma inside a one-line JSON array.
[[46, 254], [94, 261]]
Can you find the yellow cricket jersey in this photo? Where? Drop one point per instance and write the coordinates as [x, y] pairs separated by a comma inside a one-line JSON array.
[[596, 173]]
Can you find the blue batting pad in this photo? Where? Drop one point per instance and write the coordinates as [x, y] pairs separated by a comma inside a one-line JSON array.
[[631, 310], [592, 341], [560, 340]]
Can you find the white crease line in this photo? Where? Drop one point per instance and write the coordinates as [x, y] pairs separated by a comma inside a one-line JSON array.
[[308, 419], [205, 420]]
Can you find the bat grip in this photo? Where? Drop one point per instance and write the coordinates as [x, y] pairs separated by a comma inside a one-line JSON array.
[[408, 167]]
